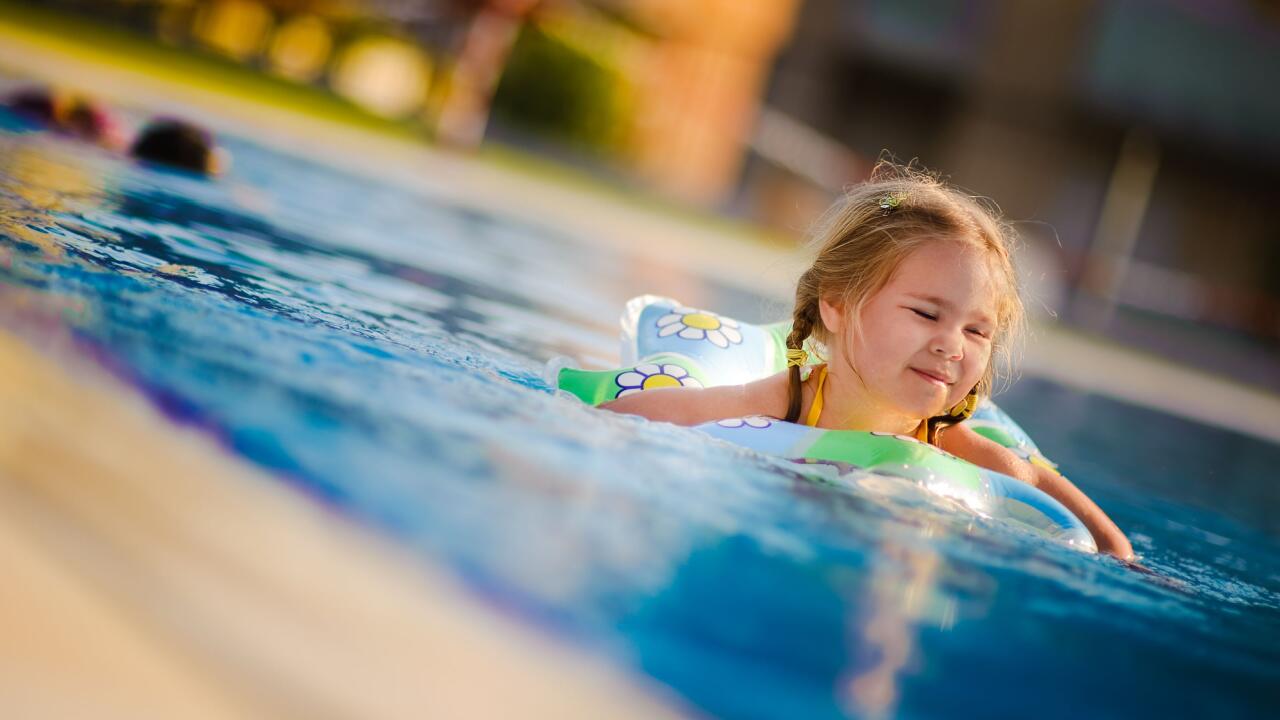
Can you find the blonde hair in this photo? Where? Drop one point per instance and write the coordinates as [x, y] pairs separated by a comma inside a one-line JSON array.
[[863, 238]]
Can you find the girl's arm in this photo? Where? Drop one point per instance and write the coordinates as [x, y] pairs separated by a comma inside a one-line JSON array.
[[694, 406], [1105, 533], [964, 442]]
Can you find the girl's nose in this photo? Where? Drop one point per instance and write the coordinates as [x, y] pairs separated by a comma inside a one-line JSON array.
[[947, 346]]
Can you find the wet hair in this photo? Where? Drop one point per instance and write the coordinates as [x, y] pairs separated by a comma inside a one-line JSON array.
[[176, 143], [865, 236]]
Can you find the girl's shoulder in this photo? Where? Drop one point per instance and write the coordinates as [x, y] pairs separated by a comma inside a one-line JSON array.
[[771, 395]]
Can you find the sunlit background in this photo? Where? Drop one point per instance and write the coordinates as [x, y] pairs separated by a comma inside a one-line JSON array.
[[1136, 141]]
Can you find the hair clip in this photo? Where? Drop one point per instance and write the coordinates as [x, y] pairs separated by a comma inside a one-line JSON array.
[[890, 202], [963, 410], [797, 357]]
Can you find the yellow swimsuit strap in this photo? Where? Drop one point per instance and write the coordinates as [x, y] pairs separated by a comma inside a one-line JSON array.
[[922, 432], [815, 410]]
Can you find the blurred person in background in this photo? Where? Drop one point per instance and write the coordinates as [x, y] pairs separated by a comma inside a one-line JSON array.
[[66, 113], [179, 144]]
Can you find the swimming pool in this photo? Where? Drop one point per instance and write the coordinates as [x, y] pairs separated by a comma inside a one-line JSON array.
[[382, 350]]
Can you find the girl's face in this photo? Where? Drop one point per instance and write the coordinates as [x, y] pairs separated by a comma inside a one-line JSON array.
[[924, 340]]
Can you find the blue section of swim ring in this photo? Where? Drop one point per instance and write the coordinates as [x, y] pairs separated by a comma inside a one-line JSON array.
[[779, 438], [1010, 489]]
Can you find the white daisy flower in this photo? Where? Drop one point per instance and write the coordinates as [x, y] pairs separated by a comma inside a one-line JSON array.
[[692, 324], [759, 422], [652, 376]]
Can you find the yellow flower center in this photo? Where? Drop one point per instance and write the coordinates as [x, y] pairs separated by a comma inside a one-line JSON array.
[[701, 321], [653, 382]]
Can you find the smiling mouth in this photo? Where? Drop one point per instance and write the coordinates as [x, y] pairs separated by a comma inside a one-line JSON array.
[[929, 377]]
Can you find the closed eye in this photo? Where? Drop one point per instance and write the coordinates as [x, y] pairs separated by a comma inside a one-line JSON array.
[[923, 314], [979, 333]]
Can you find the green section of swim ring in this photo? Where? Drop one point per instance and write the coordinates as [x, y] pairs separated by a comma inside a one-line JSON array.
[[778, 332], [895, 455], [600, 386], [997, 435]]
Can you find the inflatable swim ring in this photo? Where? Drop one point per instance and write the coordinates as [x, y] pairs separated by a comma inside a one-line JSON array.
[[665, 344]]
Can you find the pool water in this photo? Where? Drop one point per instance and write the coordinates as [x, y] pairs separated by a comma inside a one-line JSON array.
[[382, 350]]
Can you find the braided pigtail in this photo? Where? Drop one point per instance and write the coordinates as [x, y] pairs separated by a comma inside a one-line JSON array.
[[802, 322]]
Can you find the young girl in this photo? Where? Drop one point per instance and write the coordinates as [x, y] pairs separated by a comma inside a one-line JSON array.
[[912, 301]]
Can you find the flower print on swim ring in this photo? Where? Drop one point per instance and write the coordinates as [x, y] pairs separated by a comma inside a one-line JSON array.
[[652, 376], [758, 422], [694, 324]]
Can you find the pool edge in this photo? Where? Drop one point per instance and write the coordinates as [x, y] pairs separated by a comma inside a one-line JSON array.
[[153, 575]]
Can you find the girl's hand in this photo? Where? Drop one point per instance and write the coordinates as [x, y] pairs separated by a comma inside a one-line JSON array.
[[1163, 580]]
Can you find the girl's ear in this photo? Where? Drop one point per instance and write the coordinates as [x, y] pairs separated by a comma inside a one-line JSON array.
[[832, 317]]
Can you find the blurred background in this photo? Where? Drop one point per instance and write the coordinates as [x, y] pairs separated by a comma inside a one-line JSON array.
[[1136, 142]]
